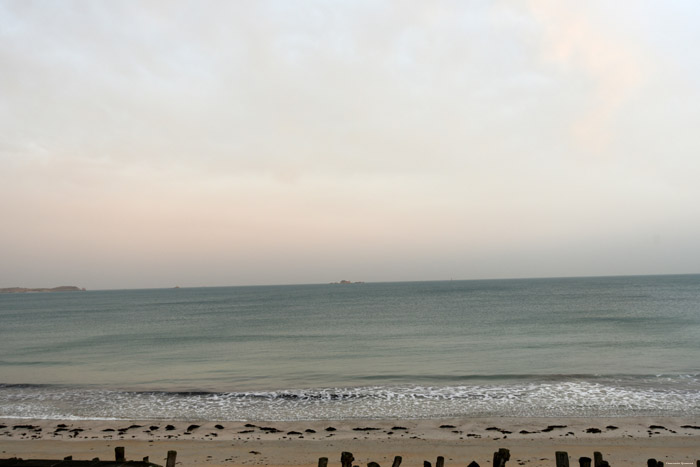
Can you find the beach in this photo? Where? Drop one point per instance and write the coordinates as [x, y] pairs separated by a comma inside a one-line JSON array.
[[532, 441], [456, 369]]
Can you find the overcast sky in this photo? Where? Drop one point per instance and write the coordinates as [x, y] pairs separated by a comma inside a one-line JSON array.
[[163, 143]]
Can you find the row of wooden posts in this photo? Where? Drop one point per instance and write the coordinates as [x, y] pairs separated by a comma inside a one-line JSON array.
[[120, 456], [500, 458]]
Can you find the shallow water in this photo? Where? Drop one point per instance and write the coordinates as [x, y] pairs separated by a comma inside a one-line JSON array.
[[551, 347]]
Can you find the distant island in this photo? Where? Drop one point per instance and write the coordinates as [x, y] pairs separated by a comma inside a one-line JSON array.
[[63, 288], [347, 282]]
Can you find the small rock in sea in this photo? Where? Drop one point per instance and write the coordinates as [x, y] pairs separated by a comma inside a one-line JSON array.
[[293, 433], [108, 429], [169, 428], [657, 427], [254, 452], [153, 427], [60, 425], [493, 428], [247, 431], [330, 428], [593, 430], [192, 428], [524, 432], [249, 425], [309, 430], [694, 427], [219, 427], [552, 427], [399, 428], [367, 428], [611, 427], [270, 429], [447, 426]]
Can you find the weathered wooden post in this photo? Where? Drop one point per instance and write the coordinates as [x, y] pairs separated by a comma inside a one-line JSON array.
[[597, 459], [427, 464], [584, 462], [562, 458], [440, 462], [170, 462], [398, 459], [346, 459], [372, 464], [68, 458], [119, 454], [145, 459], [322, 462], [473, 464], [500, 457]]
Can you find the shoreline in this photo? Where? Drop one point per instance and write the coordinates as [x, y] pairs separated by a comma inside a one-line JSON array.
[[532, 441]]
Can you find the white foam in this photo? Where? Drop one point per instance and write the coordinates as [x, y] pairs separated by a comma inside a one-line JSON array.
[[657, 396]]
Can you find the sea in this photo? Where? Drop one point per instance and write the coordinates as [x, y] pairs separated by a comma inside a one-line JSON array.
[[565, 347]]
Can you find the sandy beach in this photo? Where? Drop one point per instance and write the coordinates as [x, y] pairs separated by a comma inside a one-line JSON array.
[[531, 441]]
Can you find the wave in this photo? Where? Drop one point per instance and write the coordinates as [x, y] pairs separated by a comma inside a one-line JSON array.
[[435, 380], [579, 395]]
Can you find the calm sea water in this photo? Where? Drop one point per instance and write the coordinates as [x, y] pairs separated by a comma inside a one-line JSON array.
[[541, 347]]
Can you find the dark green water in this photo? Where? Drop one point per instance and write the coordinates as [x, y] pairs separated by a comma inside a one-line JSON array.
[[609, 346]]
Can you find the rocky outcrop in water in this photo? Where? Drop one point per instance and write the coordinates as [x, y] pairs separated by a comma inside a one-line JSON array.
[[63, 288]]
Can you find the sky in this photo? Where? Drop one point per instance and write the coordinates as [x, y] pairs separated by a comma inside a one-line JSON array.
[[211, 143]]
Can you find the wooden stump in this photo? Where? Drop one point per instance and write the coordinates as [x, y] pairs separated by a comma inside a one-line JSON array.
[[440, 462], [322, 461], [500, 457], [170, 462], [119, 454], [597, 459], [584, 462], [562, 459], [398, 459], [346, 459]]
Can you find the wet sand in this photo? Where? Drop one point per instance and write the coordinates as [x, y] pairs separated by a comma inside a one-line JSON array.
[[531, 441]]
